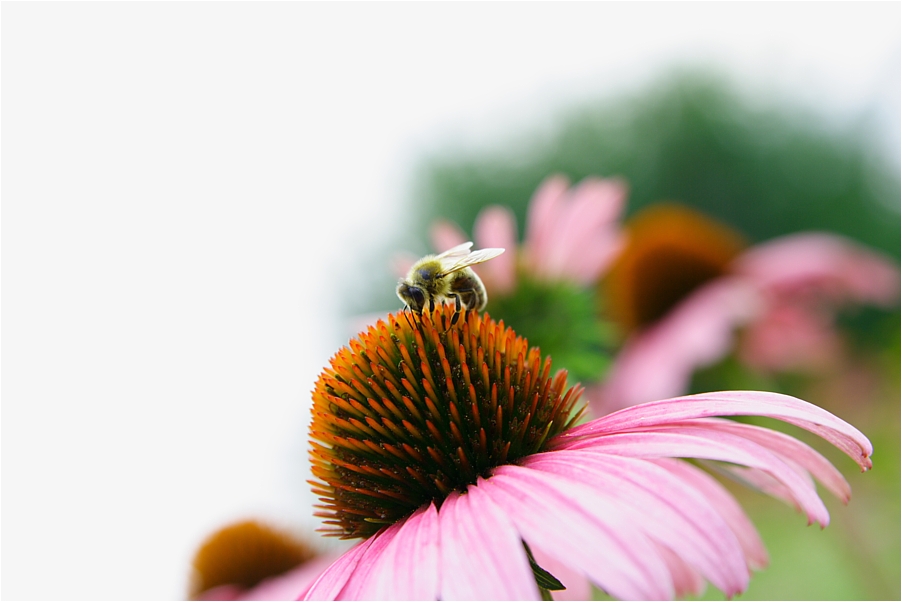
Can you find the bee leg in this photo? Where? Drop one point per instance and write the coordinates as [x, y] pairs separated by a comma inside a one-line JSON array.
[[456, 316]]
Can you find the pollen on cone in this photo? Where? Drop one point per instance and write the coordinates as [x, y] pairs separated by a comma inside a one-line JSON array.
[[417, 407]]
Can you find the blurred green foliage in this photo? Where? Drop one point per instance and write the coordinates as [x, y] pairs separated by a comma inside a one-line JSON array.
[[562, 319], [690, 139]]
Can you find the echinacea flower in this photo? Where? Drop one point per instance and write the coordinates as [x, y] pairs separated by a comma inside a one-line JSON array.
[[249, 560], [685, 284], [545, 287], [572, 234], [456, 456]]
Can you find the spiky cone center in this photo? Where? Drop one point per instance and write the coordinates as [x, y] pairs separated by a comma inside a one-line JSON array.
[[244, 554], [416, 408], [671, 251]]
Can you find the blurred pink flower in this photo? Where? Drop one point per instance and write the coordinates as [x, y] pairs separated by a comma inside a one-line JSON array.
[[784, 293], [610, 500], [572, 234], [803, 279]]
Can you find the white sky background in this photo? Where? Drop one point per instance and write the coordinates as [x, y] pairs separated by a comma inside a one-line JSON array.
[[186, 187]]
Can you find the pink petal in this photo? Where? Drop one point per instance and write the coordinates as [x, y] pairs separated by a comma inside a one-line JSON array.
[[333, 579], [408, 567], [501, 552], [658, 362], [578, 587], [496, 227], [790, 449], [691, 442], [356, 586], [672, 513], [589, 215], [833, 263], [733, 403], [574, 235], [290, 585], [686, 580], [541, 217], [595, 257], [726, 506], [482, 554], [763, 482], [791, 336], [588, 533]]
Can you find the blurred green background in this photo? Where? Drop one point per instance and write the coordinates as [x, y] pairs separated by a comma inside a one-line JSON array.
[[766, 169]]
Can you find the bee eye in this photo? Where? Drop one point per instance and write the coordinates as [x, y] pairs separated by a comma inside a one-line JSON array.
[[417, 298]]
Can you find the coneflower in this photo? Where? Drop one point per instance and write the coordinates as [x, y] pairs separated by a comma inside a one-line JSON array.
[[250, 560], [684, 284], [455, 454]]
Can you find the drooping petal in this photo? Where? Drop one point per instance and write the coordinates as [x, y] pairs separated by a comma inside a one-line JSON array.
[[834, 264], [686, 580], [552, 512], [658, 362], [496, 227], [689, 442], [726, 506], [791, 335], [733, 403], [408, 566], [673, 514], [790, 449], [762, 481]]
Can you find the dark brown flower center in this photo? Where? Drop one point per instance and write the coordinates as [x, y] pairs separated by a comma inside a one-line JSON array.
[[672, 250], [416, 408], [244, 554]]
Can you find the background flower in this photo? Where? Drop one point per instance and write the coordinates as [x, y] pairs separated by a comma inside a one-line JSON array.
[[684, 287], [249, 560], [805, 280]]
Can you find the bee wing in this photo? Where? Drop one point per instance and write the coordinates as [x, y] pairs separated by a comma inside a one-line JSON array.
[[454, 253], [460, 262]]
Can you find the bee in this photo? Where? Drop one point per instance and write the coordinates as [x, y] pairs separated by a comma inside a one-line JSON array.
[[445, 277]]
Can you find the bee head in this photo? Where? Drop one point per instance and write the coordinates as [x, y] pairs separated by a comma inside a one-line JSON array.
[[413, 296]]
